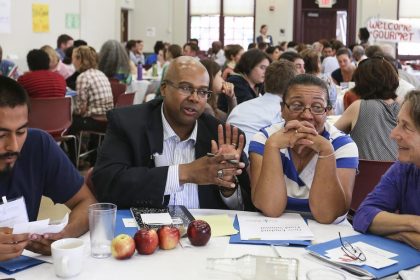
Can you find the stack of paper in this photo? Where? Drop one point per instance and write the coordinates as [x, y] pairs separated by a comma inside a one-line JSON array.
[[375, 257], [289, 226]]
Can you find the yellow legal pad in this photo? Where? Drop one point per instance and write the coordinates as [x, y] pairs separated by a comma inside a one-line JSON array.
[[221, 225]]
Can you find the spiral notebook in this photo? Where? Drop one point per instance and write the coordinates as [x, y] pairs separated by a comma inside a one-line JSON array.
[[175, 211]]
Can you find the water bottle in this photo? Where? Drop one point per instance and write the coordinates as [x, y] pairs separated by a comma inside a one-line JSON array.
[[139, 71], [154, 70], [249, 267]]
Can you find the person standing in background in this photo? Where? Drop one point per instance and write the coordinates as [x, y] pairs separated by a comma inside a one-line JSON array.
[[264, 37]]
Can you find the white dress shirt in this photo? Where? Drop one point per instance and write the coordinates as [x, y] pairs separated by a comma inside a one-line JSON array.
[[176, 152]]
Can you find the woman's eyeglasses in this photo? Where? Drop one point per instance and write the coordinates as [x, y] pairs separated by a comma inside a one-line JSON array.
[[351, 251], [315, 109]]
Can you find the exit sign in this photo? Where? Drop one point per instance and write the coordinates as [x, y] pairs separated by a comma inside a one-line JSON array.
[[326, 3]]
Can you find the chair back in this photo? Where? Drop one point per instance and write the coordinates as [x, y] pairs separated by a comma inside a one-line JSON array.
[[125, 100], [117, 89], [51, 114], [370, 172]]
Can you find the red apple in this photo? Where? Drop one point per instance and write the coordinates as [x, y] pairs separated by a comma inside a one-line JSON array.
[[146, 241], [199, 232], [122, 247], [168, 237]]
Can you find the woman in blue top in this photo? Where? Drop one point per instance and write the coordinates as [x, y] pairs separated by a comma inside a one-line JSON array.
[[392, 209], [303, 164]]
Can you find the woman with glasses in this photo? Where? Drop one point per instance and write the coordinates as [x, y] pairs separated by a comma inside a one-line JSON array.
[[218, 86], [303, 164], [371, 119], [392, 209]]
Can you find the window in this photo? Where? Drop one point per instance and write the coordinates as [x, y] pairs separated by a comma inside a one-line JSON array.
[[228, 21], [409, 12]]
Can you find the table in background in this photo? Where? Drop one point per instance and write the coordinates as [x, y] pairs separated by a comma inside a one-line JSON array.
[[142, 88], [188, 262]]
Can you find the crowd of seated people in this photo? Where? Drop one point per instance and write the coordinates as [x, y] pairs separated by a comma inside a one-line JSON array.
[[236, 130]]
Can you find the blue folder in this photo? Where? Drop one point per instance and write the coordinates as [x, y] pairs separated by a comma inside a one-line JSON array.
[[407, 256], [236, 239], [119, 225], [18, 264]]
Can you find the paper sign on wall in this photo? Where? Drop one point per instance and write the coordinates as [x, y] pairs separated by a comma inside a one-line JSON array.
[[72, 21], [5, 16], [40, 18], [151, 31], [393, 30]]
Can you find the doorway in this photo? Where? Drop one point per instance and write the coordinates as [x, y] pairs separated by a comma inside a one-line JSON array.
[[312, 23], [124, 26]]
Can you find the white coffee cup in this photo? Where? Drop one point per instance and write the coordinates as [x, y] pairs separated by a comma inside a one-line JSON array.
[[68, 255]]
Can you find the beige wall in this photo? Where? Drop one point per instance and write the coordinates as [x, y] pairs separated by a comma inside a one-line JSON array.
[[280, 18], [375, 8]]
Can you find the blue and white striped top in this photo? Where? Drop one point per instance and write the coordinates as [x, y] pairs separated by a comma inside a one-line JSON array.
[[299, 185]]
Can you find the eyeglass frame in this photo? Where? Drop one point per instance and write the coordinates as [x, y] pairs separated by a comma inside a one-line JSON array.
[[354, 252], [184, 91], [327, 108]]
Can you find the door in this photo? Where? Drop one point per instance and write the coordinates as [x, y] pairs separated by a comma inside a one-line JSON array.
[[318, 24], [311, 23], [124, 26]]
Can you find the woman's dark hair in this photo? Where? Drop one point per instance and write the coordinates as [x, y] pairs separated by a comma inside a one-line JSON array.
[[175, 51], [290, 56], [252, 46], [311, 58], [130, 44], [413, 98], [342, 51], [271, 49], [212, 68], [374, 50], [336, 44], [68, 55], [375, 78], [364, 34], [232, 50], [38, 60], [307, 80], [249, 60], [159, 45]]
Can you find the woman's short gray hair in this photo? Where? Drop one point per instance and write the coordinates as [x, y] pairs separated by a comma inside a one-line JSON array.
[[413, 98]]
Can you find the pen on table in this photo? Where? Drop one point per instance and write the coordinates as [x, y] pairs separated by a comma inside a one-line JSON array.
[[275, 251], [233, 161]]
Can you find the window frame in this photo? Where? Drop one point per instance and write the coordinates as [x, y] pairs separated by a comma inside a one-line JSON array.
[[404, 57], [221, 22]]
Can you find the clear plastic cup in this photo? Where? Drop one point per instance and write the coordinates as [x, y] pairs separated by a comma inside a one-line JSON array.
[[101, 226]]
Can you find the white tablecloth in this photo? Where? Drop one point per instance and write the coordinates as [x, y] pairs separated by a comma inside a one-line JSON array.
[[189, 262]]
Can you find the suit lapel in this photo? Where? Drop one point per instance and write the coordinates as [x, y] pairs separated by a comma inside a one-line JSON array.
[[155, 130]]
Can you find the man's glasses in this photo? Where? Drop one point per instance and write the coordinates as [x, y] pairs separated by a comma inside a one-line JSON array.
[[351, 251], [315, 109], [188, 90]]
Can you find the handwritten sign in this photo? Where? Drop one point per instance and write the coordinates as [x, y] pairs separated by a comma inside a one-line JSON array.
[[393, 31], [40, 18]]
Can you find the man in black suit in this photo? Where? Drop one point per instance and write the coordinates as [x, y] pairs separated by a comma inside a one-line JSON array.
[[156, 154]]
